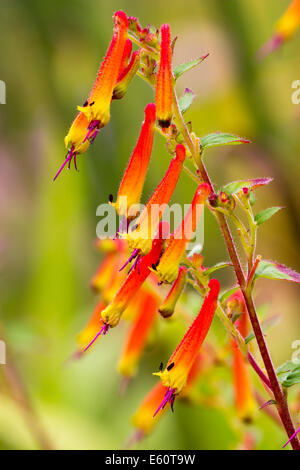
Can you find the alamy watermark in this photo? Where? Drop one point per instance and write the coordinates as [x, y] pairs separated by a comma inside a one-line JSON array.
[[2, 92], [173, 214], [296, 94], [296, 353], [2, 352]]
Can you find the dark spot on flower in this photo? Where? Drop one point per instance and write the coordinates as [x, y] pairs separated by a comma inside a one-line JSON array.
[[171, 366], [85, 103], [161, 366], [93, 102], [110, 198], [154, 267]]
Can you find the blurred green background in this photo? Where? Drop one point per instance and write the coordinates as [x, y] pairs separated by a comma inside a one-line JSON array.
[[50, 52]]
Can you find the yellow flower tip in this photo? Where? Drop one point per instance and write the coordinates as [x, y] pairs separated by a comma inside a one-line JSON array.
[[127, 366], [289, 22], [173, 377], [111, 315]]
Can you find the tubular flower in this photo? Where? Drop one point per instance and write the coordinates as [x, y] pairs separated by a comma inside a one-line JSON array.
[[134, 177], [164, 86], [167, 308], [143, 419], [107, 275], [285, 28], [244, 400], [104, 273], [138, 335], [174, 377], [97, 110], [75, 141], [140, 239], [93, 326], [168, 267], [112, 313], [126, 76]]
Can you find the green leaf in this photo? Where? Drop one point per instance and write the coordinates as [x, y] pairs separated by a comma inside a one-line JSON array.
[[266, 214], [236, 186], [289, 373], [217, 266], [273, 270], [182, 68], [222, 138], [226, 294], [186, 100]]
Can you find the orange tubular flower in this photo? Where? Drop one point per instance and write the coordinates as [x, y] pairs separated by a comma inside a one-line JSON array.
[[95, 112], [168, 306], [143, 419], [164, 86], [138, 335], [174, 377], [112, 314], [104, 273], [244, 401], [285, 28], [140, 239], [168, 267], [91, 329], [126, 76], [97, 109], [134, 177]]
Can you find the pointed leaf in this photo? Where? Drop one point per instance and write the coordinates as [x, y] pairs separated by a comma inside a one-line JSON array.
[[222, 138], [182, 68], [289, 373], [273, 270], [235, 186], [266, 214], [186, 100], [226, 294], [217, 266]]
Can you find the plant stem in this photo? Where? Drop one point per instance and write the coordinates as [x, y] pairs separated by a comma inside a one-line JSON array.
[[279, 396]]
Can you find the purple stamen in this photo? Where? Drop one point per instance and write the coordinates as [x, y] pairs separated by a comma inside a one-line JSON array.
[[169, 398], [70, 155], [103, 331], [93, 130], [131, 257]]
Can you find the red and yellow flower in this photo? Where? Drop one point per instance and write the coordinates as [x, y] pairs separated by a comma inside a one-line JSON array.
[[131, 186], [138, 335], [285, 28], [97, 109], [175, 375], [166, 309], [168, 267], [244, 400], [140, 238], [164, 86], [112, 313]]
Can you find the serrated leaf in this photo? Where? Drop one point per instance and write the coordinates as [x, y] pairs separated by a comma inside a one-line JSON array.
[[289, 373], [182, 68], [273, 270], [186, 100], [222, 138], [266, 214], [236, 186]]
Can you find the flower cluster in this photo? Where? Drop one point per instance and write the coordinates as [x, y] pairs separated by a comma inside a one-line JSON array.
[[147, 276]]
